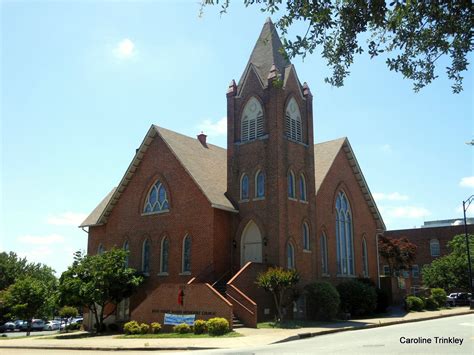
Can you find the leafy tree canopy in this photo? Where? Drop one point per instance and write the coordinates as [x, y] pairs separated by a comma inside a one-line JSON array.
[[413, 34], [398, 253], [97, 280]]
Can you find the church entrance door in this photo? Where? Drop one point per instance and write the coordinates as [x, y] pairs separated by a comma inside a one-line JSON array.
[[251, 244]]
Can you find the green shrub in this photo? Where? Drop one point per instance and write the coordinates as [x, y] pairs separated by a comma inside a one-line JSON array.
[[431, 304], [155, 327], [217, 326], [144, 328], [322, 300], [383, 300], [357, 298], [73, 326], [68, 312], [182, 328], [131, 327], [439, 296], [414, 303], [200, 327]]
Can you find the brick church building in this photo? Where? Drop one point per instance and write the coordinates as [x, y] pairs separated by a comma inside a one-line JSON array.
[[204, 221]]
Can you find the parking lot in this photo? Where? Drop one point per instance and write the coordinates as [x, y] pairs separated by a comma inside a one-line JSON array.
[[35, 333]]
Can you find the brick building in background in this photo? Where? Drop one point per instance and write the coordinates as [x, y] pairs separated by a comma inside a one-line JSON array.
[[432, 243], [205, 220]]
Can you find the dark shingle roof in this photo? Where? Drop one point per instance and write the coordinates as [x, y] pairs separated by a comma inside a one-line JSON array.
[[94, 216]]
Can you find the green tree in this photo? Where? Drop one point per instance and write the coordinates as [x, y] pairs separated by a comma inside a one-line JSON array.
[[412, 35], [67, 312], [398, 253], [95, 281], [450, 272], [277, 281], [28, 298]]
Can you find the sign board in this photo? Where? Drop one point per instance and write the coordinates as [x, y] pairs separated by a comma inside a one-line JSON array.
[[175, 319]]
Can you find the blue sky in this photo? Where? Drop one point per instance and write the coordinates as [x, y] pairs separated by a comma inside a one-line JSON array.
[[82, 81]]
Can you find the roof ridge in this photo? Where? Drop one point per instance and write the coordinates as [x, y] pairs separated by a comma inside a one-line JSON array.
[[332, 140], [186, 136]]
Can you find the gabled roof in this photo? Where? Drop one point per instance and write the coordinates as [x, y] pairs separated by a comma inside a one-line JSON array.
[[207, 166], [266, 53], [324, 155]]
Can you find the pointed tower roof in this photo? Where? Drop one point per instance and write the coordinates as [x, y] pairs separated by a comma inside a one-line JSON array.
[[266, 53]]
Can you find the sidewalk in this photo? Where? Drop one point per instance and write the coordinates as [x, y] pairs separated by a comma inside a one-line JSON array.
[[252, 337]]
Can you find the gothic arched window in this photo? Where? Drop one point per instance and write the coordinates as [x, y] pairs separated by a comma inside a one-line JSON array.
[[244, 187], [164, 255], [306, 236], [293, 121], [146, 257], [259, 184], [291, 185], [126, 247], [157, 199], [100, 249], [252, 121], [365, 261], [344, 238], [302, 188], [290, 250], [187, 254]]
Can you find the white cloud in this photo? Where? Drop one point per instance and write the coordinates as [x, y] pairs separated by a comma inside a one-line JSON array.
[[67, 219], [125, 49], [394, 196], [406, 212], [38, 255], [467, 181], [386, 148], [41, 240], [457, 222], [214, 129]]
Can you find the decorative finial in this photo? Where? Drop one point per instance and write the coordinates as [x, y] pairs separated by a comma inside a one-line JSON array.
[[232, 88], [306, 90]]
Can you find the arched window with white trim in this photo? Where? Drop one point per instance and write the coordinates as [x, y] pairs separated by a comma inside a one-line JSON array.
[[186, 265], [303, 196], [290, 255], [324, 254], [252, 124], [146, 256], [244, 187], [126, 247], [293, 121], [434, 247], [305, 230], [157, 199], [164, 252], [291, 185], [259, 184], [344, 237], [365, 261]]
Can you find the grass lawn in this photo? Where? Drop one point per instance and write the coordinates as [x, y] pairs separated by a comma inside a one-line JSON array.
[[177, 335], [33, 335], [291, 324]]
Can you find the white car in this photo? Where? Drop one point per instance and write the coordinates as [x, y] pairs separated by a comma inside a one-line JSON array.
[[52, 325]]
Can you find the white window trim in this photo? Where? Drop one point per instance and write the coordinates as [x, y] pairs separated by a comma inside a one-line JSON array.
[[305, 189], [246, 134], [306, 227], [292, 267], [346, 247], [433, 242], [163, 210]]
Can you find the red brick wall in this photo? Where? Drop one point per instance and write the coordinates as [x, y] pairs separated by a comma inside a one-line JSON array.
[[190, 213], [340, 177], [199, 299]]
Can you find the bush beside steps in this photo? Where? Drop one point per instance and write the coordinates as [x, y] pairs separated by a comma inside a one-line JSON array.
[[214, 326]]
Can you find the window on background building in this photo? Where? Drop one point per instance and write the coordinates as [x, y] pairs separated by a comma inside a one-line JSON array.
[[365, 261], [252, 125], [344, 238], [306, 245], [164, 255], [302, 188], [187, 254], [434, 247], [386, 270], [157, 199], [100, 249], [244, 187], [324, 255], [293, 121], [146, 257], [290, 263], [127, 249], [415, 271], [291, 185], [123, 310], [260, 184]]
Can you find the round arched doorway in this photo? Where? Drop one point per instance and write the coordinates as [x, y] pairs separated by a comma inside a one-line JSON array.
[[251, 244]]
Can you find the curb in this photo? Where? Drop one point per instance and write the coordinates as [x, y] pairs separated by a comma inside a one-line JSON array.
[[369, 326], [96, 348]]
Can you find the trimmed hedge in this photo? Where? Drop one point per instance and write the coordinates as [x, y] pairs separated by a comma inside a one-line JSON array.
[[182, 328], [131, 327], [414, 303], [217, 326], [357, 298], [323, 300], [155, 327], [431, 304], [200, 326], [439, 296]]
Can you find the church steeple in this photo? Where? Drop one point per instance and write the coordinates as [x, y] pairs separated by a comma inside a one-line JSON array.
[[266, 54]]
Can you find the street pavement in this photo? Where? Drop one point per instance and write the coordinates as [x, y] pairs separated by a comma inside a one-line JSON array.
[[253, 338]]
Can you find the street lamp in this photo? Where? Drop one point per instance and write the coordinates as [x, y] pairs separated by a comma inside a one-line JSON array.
[[465, 206]]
